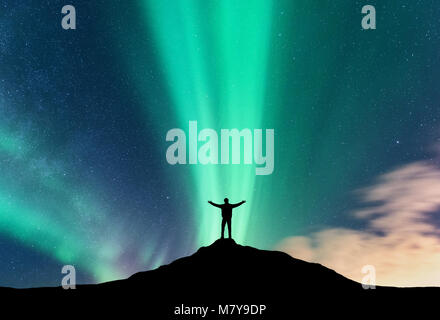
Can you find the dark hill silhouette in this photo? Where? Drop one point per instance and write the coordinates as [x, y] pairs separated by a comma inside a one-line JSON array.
[[226, 273]]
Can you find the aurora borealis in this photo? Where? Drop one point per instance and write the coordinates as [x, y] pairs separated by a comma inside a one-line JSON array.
[[84, 114]]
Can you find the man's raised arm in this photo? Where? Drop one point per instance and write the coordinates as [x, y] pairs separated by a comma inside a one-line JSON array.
[[238, 204], [214, 204]]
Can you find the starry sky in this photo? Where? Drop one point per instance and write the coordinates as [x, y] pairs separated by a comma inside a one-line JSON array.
[[84, 115]]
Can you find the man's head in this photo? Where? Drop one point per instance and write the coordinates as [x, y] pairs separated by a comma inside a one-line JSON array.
[[226, 200]]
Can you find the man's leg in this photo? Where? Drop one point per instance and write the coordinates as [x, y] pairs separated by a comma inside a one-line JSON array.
[[229, 228], [223, 228]]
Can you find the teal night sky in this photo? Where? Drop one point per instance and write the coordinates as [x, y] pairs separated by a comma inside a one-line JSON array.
[[84, 114]]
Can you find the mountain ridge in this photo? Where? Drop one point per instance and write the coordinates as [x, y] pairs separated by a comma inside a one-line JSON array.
[[226, 273]]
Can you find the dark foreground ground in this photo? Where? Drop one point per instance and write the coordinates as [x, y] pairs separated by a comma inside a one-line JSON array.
[[229, 281]]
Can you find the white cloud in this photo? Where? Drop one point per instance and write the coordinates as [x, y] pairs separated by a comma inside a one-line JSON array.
[[400, 240]]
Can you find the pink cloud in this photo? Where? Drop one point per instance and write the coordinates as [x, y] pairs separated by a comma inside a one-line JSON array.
[[400, 241]]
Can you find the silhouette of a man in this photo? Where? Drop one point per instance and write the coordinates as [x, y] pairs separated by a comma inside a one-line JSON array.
[[226, 214]]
